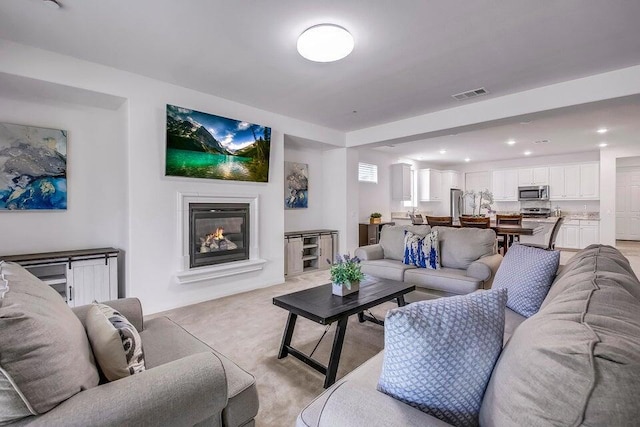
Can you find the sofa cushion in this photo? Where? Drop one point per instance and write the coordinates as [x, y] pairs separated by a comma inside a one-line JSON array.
[[527, 273], [44, 348], [385, 269], [115, 342], [450, 280], [165, 341], [459, 247], [392, 239], [575, 361], [439, 354]]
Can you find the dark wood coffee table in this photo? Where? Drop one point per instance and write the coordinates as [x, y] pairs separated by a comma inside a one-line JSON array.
[[321, 306]]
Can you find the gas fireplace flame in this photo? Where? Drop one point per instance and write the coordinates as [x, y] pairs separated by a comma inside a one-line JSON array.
[[218, 234]]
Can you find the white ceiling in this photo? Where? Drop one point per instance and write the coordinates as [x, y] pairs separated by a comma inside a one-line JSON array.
[[568, 130], [410, 56]]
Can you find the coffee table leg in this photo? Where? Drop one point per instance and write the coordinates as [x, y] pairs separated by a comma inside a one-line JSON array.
[[361, 317], [401, 301], [332, 369], [288, 333]]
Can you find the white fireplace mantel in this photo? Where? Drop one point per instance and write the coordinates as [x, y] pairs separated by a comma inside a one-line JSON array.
[[200, 274]]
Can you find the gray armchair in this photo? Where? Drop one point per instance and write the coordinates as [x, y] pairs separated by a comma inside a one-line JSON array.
[[186, 383]]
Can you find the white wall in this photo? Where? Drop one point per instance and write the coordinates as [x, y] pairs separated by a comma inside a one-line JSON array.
[[375, 197], [154, 255], [311, 217], [96, 214]]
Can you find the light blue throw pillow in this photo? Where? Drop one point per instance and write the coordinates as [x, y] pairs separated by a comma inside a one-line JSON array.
[[528, 274], [439, 354]]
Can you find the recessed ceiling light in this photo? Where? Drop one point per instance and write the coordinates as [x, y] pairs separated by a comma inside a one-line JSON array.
[[527, 153], [467, 159], [443, 151], [53, 4], [602, 130], [602, 144], [511, 142], [325, 43], [420, 157], [525, 122]]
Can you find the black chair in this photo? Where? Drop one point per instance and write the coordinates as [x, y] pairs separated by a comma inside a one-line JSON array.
[[506, 240], [551, 245]]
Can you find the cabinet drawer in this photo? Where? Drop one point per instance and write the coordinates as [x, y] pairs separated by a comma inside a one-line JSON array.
[[572, 222], [589, 222]]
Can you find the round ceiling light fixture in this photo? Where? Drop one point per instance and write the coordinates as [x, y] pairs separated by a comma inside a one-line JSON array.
[[325, 43]]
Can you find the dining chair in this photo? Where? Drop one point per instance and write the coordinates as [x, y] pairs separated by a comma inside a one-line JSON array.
[[551, 245], [505, 239], [475, 221], [444, 221]]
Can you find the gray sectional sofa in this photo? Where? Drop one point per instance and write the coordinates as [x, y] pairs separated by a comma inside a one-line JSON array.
[[468, 256], [575, 362], [185, 382]]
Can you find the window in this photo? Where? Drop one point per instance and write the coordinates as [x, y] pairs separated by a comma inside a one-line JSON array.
[[367, 173]]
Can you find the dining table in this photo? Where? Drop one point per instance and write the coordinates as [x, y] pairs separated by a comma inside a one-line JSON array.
[[510, 231]]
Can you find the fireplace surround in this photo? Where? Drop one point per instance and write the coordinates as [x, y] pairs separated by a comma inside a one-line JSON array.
[[218, 236]]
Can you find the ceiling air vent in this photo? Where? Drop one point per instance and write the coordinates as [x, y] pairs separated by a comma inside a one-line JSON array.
[[470, 94], [541, 141]]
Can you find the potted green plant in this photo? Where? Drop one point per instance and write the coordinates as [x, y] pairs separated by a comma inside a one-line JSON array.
[[375, 218], [345, 275]]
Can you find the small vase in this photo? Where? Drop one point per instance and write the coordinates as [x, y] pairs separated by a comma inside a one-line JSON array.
[[342, 290]]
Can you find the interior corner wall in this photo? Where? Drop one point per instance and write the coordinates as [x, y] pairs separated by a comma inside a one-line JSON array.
[[96, 181], [375, 197], [311, 217]]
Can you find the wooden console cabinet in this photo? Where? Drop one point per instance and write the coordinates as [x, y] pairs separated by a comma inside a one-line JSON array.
[[308, 250], [369, 234], [80, 277]]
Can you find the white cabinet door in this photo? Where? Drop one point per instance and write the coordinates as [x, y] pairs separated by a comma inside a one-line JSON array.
[[589, 235], [590, 181], [556, 182], [436, 185], [628, 205], [510, 185], [430, 183], [325, 252], [572, 182], [294, 255], [560, 237], [571, 236], [92, 280], [401, 181], [541, 176], [525, 177]]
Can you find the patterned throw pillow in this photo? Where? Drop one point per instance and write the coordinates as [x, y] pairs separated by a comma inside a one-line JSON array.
[[115, 341], [412, 248], [439, 354], [430, 251], [528, 275]]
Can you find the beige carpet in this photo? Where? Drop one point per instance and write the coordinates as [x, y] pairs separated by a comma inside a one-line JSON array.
[[248, 329]]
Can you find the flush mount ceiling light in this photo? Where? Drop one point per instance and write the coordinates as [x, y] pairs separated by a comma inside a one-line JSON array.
[[443, 151], [602, 130], [602, 144], [527, 153], [511, 142], [53, 4], [467, 159], [325, 43]]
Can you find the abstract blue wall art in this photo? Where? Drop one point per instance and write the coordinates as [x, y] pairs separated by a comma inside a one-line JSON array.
[[296, 185], [33, 168]]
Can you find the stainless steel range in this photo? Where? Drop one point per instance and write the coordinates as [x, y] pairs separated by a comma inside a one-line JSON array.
[[535, 212]]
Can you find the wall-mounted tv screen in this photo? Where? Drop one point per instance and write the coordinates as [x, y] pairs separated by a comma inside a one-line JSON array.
[[201, 145]]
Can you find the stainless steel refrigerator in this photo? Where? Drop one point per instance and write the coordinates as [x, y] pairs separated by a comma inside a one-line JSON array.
[[456, 203]]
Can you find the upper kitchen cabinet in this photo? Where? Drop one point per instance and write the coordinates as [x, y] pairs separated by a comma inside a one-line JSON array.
[[401, 181], [430, 185], [451, 179], [574, 182], [505, 185], [533, 176]]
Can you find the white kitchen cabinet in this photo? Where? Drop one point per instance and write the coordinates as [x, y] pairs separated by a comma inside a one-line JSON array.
[[578, 234], [80, 276], [570, 235], [590, 181], [589, 233], [574, 182], [401, 181], [451, 179], [505, 185], [430, 185], [533, 176]]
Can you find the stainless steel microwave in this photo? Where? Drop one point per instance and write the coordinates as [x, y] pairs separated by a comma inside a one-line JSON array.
[[537, 192]]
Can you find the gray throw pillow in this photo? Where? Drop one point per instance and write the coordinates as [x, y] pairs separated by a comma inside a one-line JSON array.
[[115, 342], [528, 275], [439, 354], [44, 350]]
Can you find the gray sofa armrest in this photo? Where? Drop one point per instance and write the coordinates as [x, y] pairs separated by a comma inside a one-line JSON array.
[[370, 252], [355, 405], [179, 393], [128, 307], [485, 269]]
